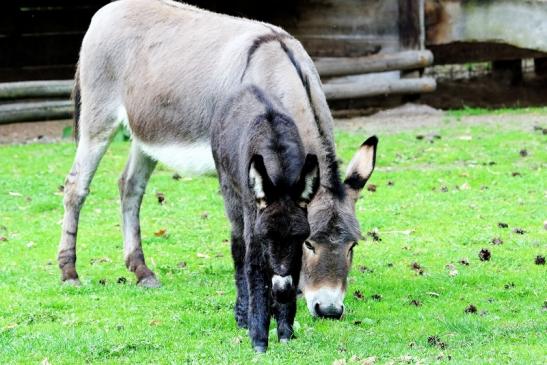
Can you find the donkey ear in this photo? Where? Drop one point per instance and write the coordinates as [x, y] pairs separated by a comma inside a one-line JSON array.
[[361, 166], [309, 181], [259, 181]]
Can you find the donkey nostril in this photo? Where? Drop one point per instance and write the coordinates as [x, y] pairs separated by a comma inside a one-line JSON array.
[[331, 312]]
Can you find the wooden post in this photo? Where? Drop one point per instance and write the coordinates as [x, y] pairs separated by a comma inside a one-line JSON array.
[[340, 66], [362, 90]]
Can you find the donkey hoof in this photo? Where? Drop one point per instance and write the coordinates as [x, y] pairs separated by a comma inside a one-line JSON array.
[[72, 282], [149, 282], [284, 340]]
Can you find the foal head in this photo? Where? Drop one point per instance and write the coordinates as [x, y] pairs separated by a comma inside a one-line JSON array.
[[281, 222]]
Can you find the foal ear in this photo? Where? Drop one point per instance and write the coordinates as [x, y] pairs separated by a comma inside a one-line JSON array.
[[361, 167], [259, 181], [308, 184]]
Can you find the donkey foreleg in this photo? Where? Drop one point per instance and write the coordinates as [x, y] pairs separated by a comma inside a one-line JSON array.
[[132, 186], [88, 156], [259, 304], [284, 314]]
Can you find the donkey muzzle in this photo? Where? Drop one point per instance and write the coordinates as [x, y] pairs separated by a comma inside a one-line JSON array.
[[282, 288]]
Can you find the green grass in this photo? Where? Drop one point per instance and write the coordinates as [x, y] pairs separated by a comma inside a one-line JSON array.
[[189, 319], [469, 111]]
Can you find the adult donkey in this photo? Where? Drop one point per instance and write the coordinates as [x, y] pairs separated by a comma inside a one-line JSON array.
[[166, 70]]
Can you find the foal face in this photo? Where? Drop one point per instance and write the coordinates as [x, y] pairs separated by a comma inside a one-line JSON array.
[[281, 228], [281, 224]]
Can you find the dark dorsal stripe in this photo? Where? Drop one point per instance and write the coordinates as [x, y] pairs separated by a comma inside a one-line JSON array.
[[335, 184], [266, 38]]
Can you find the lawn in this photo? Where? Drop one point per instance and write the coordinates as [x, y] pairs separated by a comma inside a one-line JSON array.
[[439, 201]]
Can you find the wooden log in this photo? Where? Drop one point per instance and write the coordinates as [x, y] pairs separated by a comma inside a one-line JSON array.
[[35, 111], [36, 89], [407, 60], [362, 90]]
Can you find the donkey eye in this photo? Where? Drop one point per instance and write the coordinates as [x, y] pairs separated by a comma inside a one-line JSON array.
[[309, 246]]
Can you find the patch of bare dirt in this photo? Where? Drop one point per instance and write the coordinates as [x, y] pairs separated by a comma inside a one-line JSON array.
[[33, 132]]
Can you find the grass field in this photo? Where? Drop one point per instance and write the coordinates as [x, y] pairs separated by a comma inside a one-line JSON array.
[[438, 202]]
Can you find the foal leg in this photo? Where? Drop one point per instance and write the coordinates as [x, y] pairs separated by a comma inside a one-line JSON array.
[[88, 156], [284, 314], [132, 185], [235, 215]]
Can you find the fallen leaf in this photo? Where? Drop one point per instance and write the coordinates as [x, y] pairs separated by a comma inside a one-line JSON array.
[[519, 231], [371, 188], [376, 297], [484, 255], [497, 241], [102, 281], [202, 255], [415, 302], [465, 138], [181, 265], [471, 309], [220, 292], [161, 198], [374, 235], [464, 261], [339, 362], [205, 215], [30, 244], [444, 189], [433, 294], [514, 174], [540, 260], [508, 286], [121, 280], [160, 233], [523, 153], [155, 322], [436, 341], [503, 225], [417, 268], [176, 176], [14, 193], [452, 270], [390, 183], [3, 239], [358, 295]]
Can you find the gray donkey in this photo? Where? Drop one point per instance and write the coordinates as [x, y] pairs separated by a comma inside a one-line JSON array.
[[267, 183], [166, 70]]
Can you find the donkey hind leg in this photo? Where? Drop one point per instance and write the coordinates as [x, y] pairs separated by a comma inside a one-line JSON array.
[[132, 185], [88, 155]]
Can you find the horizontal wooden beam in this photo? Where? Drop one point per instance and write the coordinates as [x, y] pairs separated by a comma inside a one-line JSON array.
[[363, 90], [340, 66], [35, 111], [36, 89]]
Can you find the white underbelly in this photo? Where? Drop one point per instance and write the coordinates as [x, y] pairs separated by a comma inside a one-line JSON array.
[[186, 158]]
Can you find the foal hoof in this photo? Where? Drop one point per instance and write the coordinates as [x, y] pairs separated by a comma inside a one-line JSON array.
[[72, 282], [260, 349], [284, 340], [149, 282]]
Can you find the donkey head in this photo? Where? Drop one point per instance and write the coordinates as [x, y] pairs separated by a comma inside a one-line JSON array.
[[281, 222], [328, 253]]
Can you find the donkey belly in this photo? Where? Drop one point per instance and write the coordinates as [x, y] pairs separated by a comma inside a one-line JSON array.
[[191, 158]]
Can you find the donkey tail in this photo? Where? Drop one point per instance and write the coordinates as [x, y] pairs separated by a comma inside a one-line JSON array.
[[77, 103]]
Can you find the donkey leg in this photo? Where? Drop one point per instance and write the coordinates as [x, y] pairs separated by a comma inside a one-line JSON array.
[[242, 301], [88, 156], [132, 185], [259, 298], [284, 314]]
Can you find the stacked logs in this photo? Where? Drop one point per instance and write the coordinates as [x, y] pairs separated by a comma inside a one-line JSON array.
[[47, 100]]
